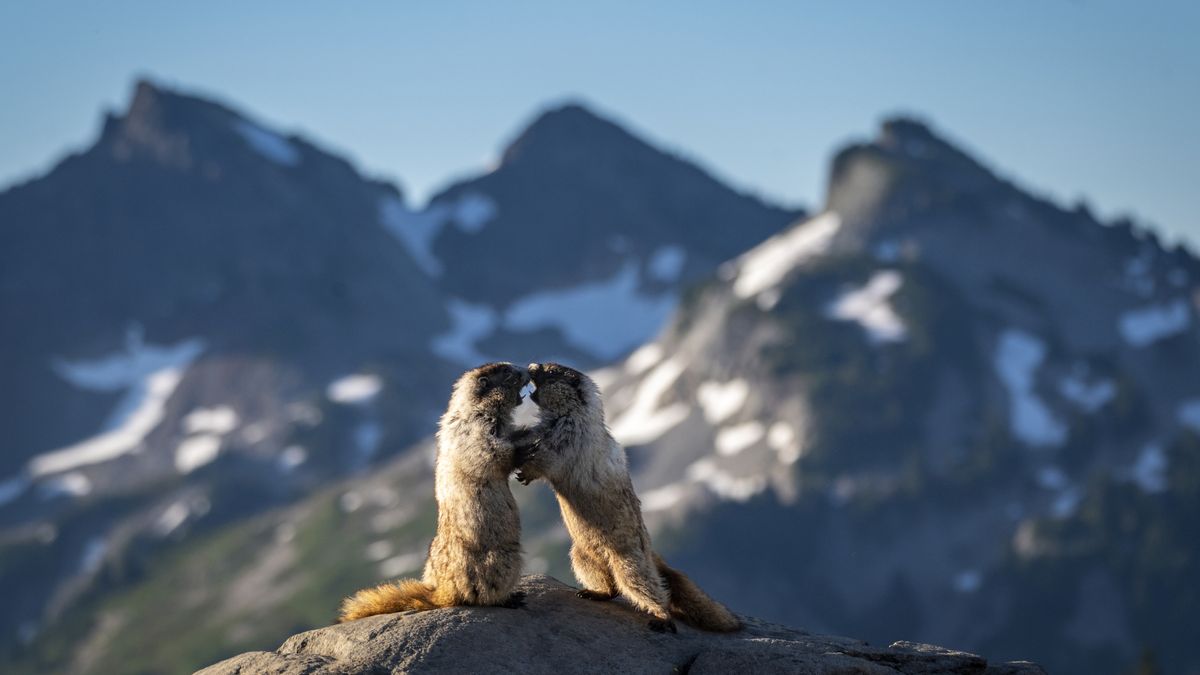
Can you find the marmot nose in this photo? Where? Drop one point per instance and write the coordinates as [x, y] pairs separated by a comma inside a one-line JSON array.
[[535, 371]]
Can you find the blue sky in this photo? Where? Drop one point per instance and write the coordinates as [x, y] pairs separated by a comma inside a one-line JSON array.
[[1093, 99]]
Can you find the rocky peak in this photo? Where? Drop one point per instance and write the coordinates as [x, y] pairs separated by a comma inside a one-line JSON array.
[[906, 172], [590, 201], [557, 632], [564, 132]]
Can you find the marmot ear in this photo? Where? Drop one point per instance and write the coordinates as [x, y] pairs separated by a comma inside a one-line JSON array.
[[482, 381]]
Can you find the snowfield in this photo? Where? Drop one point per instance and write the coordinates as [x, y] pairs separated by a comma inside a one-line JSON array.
[[151, 375], [268, 143], [1018, 357], [769, 263], [585, 314], [868, 306], [1145, 326], [470, 324]]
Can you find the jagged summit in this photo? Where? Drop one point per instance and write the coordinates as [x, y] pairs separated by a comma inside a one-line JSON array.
[[567, 127], [588, 200]]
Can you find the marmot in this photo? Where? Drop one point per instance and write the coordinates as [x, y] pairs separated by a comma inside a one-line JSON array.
[[610, 549], [475, 557]]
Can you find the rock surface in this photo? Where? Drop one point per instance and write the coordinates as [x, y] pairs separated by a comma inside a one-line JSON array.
[[556, 632]]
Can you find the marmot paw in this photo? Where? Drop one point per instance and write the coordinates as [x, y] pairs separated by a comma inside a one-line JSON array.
[[588, 594], [514, 601]]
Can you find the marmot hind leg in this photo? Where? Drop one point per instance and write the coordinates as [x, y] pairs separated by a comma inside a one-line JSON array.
[[593, 573]]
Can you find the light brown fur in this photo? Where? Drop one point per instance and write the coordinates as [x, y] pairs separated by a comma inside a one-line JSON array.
[[611, 551], [475, 557]]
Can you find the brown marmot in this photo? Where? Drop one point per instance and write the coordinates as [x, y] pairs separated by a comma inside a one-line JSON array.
[[610, 551], [475, 557]]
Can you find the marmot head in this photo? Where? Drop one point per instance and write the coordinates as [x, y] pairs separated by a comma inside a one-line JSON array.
[[562, 390], [493, 388]]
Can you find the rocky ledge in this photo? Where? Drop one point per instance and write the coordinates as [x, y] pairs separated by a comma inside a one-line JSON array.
[[557, 632]]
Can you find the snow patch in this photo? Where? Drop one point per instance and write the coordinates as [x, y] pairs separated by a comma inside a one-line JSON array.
[[870, 308], [416, 230], [93, 555], [73, 484], [720, 400], [768, 264], [1150, 470], [783, 439], [472, 211], [196, 451], [644, 358], [1052, 478], [398, 565], [1138, 276], [1188, 413], [732, 440], [358, 389], [171, 518], [643, 421], [667, 263], [219, 420], [470, 324], [125, 369], [1066, 503], [12, 488], [378, 550], [604, 318], [968, 581], [367, 436], [664, 497], [1018, 356], [150, 373], [292, 457], [1145, 326], [268, 143], [123, 439], [724, 484], [1088, 396], [350, 501]]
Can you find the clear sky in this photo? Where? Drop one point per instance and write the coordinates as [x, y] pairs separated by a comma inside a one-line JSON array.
[[1092, 99]]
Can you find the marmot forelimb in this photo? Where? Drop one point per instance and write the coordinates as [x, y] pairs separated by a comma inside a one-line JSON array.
[[610, 551], [475, 557]]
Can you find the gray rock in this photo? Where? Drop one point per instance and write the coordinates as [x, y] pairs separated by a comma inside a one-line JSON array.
[[556, 632]]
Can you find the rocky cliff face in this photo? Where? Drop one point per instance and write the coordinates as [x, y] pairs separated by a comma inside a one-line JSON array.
[[557, 632]]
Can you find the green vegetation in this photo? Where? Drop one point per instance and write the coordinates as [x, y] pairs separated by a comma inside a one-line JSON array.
[[244, 587]]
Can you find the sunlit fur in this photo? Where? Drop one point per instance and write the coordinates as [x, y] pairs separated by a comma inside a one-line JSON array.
[[475, 557], [611, 551]]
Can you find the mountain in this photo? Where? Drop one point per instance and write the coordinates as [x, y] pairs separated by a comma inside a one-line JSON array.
[[587, 637], [200, 318], [595, 224], [941, 410], [205, 320], [941, 406]]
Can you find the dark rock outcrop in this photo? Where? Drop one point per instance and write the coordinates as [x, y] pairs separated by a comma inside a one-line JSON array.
[[556, 632]]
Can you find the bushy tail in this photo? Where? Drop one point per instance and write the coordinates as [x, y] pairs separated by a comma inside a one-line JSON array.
[[690, 605], [386, 598]]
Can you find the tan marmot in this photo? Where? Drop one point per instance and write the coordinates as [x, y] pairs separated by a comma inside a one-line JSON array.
[[611, 551], [475, 557]]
